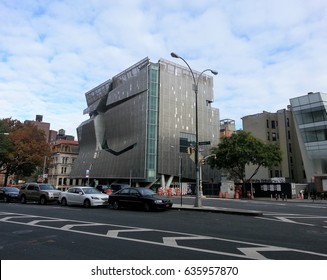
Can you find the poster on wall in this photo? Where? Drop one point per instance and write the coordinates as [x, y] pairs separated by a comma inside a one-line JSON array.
[[324, 185]]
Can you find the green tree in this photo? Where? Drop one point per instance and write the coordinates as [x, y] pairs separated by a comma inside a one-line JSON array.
[[24, 148], [241, 149]]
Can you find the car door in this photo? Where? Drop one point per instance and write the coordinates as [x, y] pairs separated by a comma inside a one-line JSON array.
[[69, 195], [33, 192], [135, 198], [122, 197], [79, 196]]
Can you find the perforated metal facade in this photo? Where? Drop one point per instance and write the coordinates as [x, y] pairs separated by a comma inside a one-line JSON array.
[[137, 120]]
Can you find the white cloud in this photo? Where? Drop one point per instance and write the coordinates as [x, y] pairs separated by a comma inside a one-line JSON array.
[[52, 52]]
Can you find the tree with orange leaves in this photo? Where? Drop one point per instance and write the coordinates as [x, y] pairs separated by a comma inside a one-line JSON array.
[[23, 148]]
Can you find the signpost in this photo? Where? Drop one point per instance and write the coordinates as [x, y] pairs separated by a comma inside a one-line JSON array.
[[203, 143], [87, 175]]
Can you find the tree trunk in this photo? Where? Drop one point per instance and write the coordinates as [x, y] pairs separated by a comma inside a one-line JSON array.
[[6, 178]]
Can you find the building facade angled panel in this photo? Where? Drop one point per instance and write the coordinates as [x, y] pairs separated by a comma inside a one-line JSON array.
[[113, 141], [310, 115]]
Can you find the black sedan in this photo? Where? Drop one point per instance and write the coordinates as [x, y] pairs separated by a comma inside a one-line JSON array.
[[8, 194], [143, 198]]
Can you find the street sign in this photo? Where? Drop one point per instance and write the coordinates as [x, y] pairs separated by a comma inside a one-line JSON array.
[[87, 175], [204, 143]]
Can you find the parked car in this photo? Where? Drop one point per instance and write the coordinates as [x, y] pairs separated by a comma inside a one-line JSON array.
[[40, 192], [81, 195], [143, 198], [110, 189], [8, 194]]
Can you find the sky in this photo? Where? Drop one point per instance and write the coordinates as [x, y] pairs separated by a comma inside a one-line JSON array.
[[53, 51]]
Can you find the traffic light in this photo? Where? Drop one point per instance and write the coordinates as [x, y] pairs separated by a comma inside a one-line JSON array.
[[189, 150]]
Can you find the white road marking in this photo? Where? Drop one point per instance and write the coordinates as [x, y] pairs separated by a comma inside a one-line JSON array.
[[34, 222], [172, 241], [290, 218], [115, 233], [70, 226], [252, 252], [249, 252]]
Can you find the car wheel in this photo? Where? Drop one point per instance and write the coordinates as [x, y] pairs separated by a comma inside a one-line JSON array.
[[146, 206], [64, 202], [43, 200], [115, 205], [23, 199], [87, 203]]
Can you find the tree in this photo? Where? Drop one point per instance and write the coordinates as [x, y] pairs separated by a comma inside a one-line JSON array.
[[241, 149], [23, 148]]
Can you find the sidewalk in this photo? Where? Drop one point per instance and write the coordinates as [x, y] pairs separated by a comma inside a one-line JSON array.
[[188, 207], [324, 201]]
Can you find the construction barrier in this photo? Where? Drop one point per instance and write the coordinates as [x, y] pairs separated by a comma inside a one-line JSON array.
[[170, 192], [220, 195], [226, 195], [237, 195]]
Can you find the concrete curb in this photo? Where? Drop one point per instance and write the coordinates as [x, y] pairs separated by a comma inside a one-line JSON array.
[[217, 210]]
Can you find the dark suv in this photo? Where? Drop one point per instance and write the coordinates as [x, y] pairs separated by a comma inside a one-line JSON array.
[[111, 188], [40, 192]]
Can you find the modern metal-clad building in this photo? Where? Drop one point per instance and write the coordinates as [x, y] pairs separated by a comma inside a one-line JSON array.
[[141, 123], [310, 115]]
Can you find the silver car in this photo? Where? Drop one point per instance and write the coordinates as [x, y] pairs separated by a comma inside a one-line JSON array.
[[85, 196], [40, 192]]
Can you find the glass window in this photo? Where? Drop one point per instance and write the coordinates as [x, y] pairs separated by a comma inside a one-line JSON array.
[[186, 140], [124, 191], [134, 192]]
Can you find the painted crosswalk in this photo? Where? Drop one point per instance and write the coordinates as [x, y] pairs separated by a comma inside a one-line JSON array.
[[235, 249], [306, 220]]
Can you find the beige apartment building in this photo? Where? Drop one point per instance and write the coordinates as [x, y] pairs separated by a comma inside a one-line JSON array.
[[64, 153], [277, 128]]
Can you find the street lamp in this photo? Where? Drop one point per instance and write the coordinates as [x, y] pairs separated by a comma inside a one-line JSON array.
[[195, 87]]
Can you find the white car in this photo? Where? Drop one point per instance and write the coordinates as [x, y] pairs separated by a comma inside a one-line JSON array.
[[86, 196]]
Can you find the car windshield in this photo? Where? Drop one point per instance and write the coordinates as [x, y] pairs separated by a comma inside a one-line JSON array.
[[46, 187], [11, 189], [90, 190], [146, 192]]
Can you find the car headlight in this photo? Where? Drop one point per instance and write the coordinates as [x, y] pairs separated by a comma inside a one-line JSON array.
[[158, 201], [50, 194], [94, 197]]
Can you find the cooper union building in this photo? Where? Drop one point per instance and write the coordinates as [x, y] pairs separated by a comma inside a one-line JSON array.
[[142, 122]]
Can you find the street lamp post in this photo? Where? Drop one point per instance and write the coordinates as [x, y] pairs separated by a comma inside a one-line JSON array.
[[195, 87], [203, 161]]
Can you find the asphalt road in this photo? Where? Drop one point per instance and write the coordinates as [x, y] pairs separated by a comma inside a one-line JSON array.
[[289, 230]]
